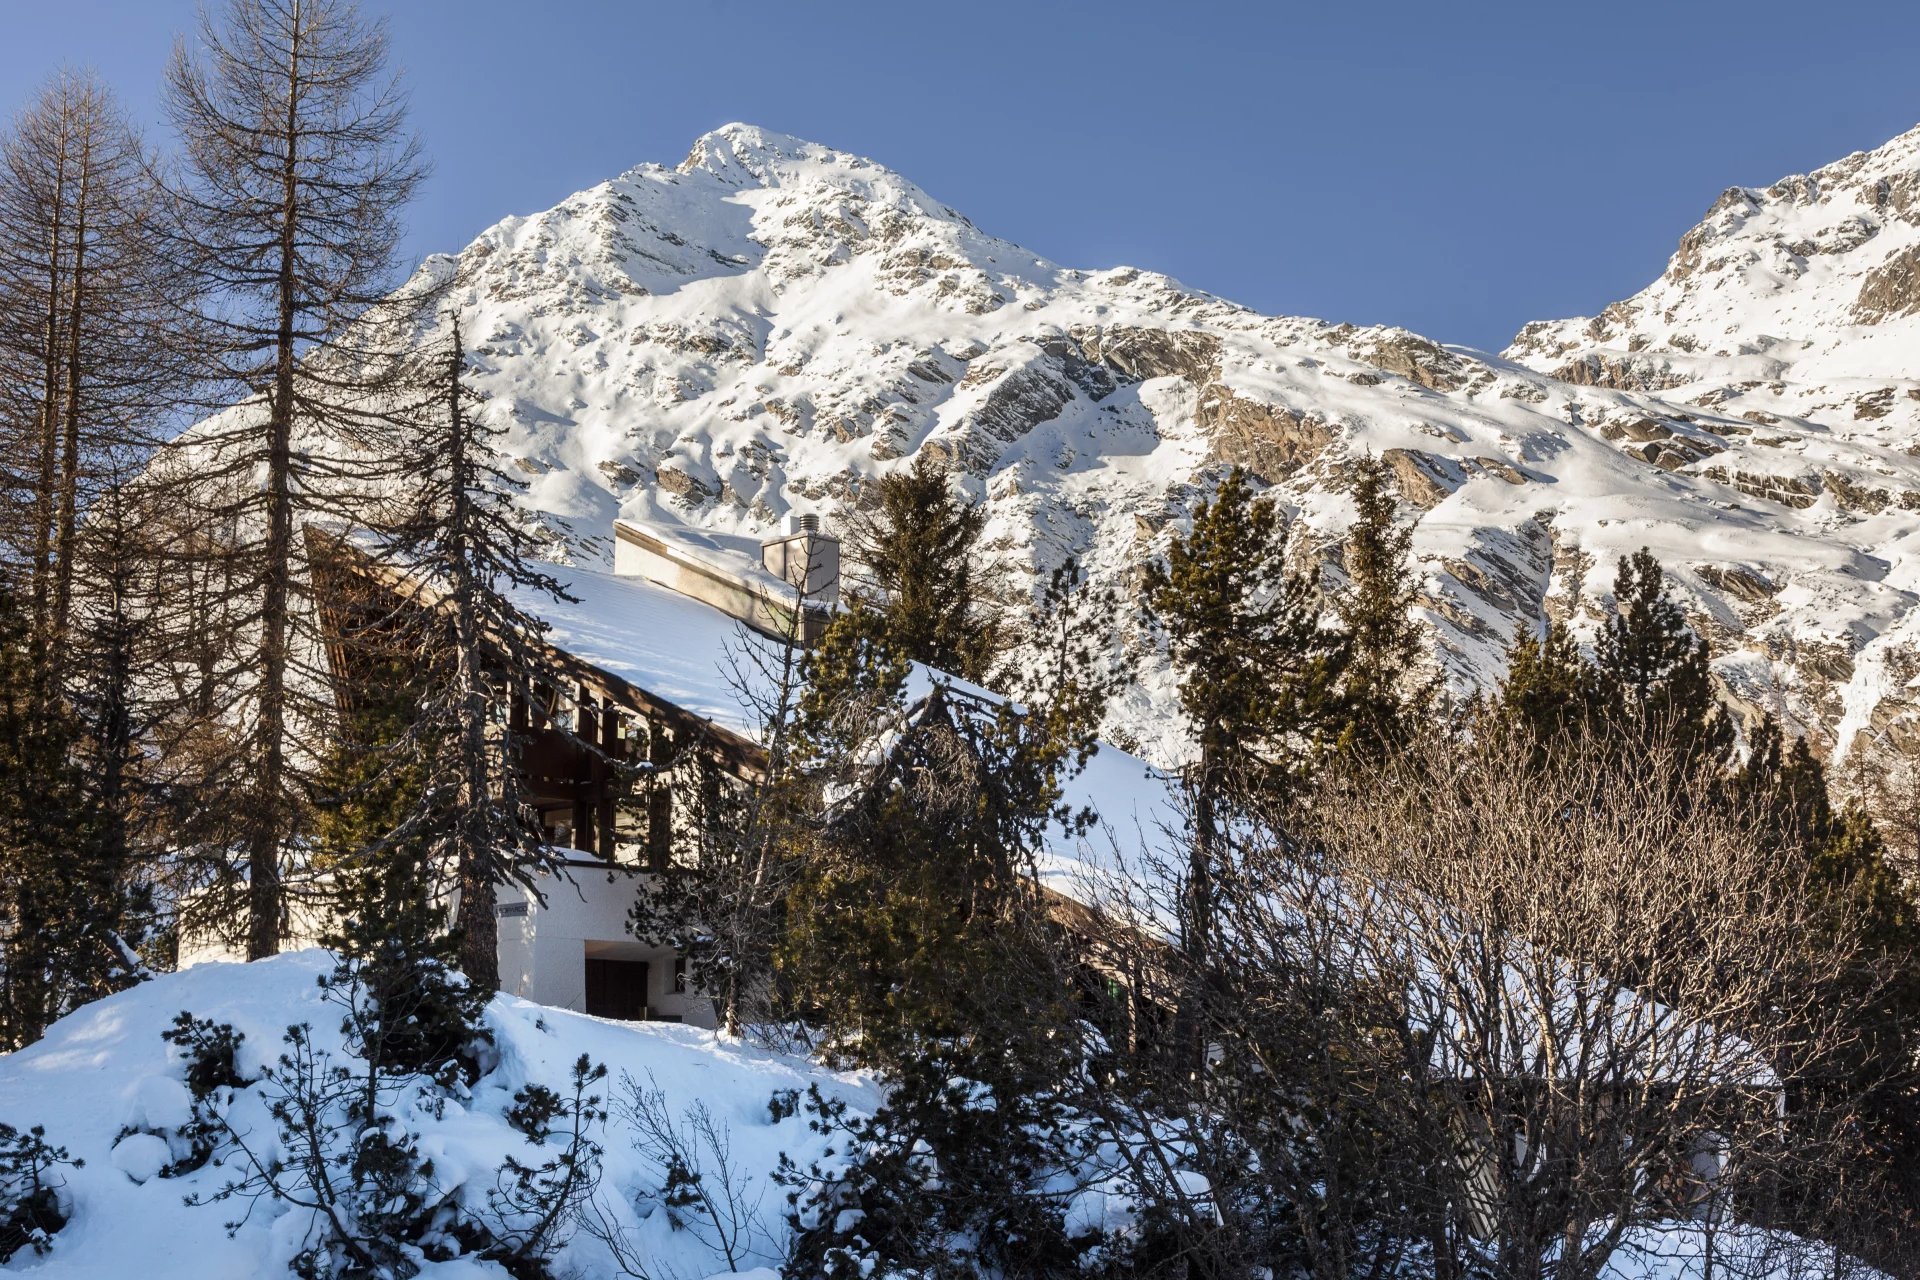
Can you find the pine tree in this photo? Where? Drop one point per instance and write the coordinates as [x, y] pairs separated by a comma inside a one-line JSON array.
[[296, 165], [1657, 670], [1384, 685], [1783, 790], [60, 878], [468, 551], [916, 553], [1784, 787], [1551, 694], [915, 920], [388, 928], [724, 913], [1259, 673], [112, 677]]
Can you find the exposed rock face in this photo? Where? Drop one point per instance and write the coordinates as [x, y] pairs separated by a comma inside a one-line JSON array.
[[1795, 307], [771, 324], [1138, 354], [1271, 441], [1891, 289]]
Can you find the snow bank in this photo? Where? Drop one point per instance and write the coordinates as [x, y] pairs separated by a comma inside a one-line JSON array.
[[105, 1068]]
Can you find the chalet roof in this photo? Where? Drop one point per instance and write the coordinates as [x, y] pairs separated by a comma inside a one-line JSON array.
[[670, 645], [676, 648]]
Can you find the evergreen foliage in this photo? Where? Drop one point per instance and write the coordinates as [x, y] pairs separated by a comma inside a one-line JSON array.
[[460, 553], [1259, 673], [63, 895], [1260, 682], [1551, 693], [534, 1208], [1648, 685], [953, 1177], [1384, 686], [914, 917], [916, 551], [342, 1149], [1657, 670], [32, 1209]]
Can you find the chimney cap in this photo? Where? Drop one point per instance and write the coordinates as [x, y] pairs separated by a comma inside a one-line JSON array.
[[798, 524]]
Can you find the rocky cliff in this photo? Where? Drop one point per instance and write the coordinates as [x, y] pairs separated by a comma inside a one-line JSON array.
[[769, 325]]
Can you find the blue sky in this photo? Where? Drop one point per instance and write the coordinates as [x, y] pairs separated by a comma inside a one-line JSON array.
[[1458, 169]]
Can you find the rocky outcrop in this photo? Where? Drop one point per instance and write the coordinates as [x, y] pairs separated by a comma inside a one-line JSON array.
[[1890, 289], [1622, 373], [1269, 440], [1422, 478], [767, 328], [1138, 353], [1418, 360]]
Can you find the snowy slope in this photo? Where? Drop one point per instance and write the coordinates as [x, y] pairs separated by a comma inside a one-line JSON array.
[[767, 326], [1797, 307], [105, 1068]]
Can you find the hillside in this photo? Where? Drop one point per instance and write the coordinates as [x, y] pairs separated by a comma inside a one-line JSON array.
[[106, 1087], [768, 325], [105, 1069]]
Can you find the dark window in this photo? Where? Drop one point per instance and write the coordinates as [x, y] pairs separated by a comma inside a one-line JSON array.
[[680, 974], [660, 826], [617, 989]]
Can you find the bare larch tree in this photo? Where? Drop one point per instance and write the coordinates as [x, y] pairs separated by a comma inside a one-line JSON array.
[[296, 163]]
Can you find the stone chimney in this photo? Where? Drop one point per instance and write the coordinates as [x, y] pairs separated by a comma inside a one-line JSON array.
[[806, 559]]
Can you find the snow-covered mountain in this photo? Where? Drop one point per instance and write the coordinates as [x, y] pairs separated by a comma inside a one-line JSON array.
[[767, 326]]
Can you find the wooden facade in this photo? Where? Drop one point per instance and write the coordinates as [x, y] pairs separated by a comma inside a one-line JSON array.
[[607, 768]]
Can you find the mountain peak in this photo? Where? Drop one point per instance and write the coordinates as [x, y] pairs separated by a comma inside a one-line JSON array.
[[773, 324], [746, 148]]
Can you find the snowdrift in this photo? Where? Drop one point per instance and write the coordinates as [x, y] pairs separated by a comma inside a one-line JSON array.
[[105, 1069], [104, 1073]]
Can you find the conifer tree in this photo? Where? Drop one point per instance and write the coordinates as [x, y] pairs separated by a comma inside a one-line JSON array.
[[725, 913], [385, 902], [1783, 790], [1383, 682], [1657, 670], [92, 351], [915, 554], [467, 553], [1259, 673], [914, 920], [111, 675], [60, 881], [1551, 693], [296, 164]]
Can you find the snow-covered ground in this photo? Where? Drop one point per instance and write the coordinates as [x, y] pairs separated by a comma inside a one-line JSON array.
[[105, 1070], [764, 328]]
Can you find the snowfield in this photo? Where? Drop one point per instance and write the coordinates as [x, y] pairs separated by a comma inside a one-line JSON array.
[[766, 327], [104, 1070]]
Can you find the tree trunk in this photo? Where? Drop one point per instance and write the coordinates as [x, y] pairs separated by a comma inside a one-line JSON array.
[[69, 489], [47, 478], [263, 851], [479, 924], [1190, 1018]]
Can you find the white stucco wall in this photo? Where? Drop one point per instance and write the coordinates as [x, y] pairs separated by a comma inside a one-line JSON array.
[[543, 952], [543, 948]]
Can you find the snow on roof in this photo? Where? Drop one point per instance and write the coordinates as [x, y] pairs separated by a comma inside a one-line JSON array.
[[670, 645], [734, 555], [676, 648]]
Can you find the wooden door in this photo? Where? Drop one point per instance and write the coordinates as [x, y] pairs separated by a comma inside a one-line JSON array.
[[617, 989]]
